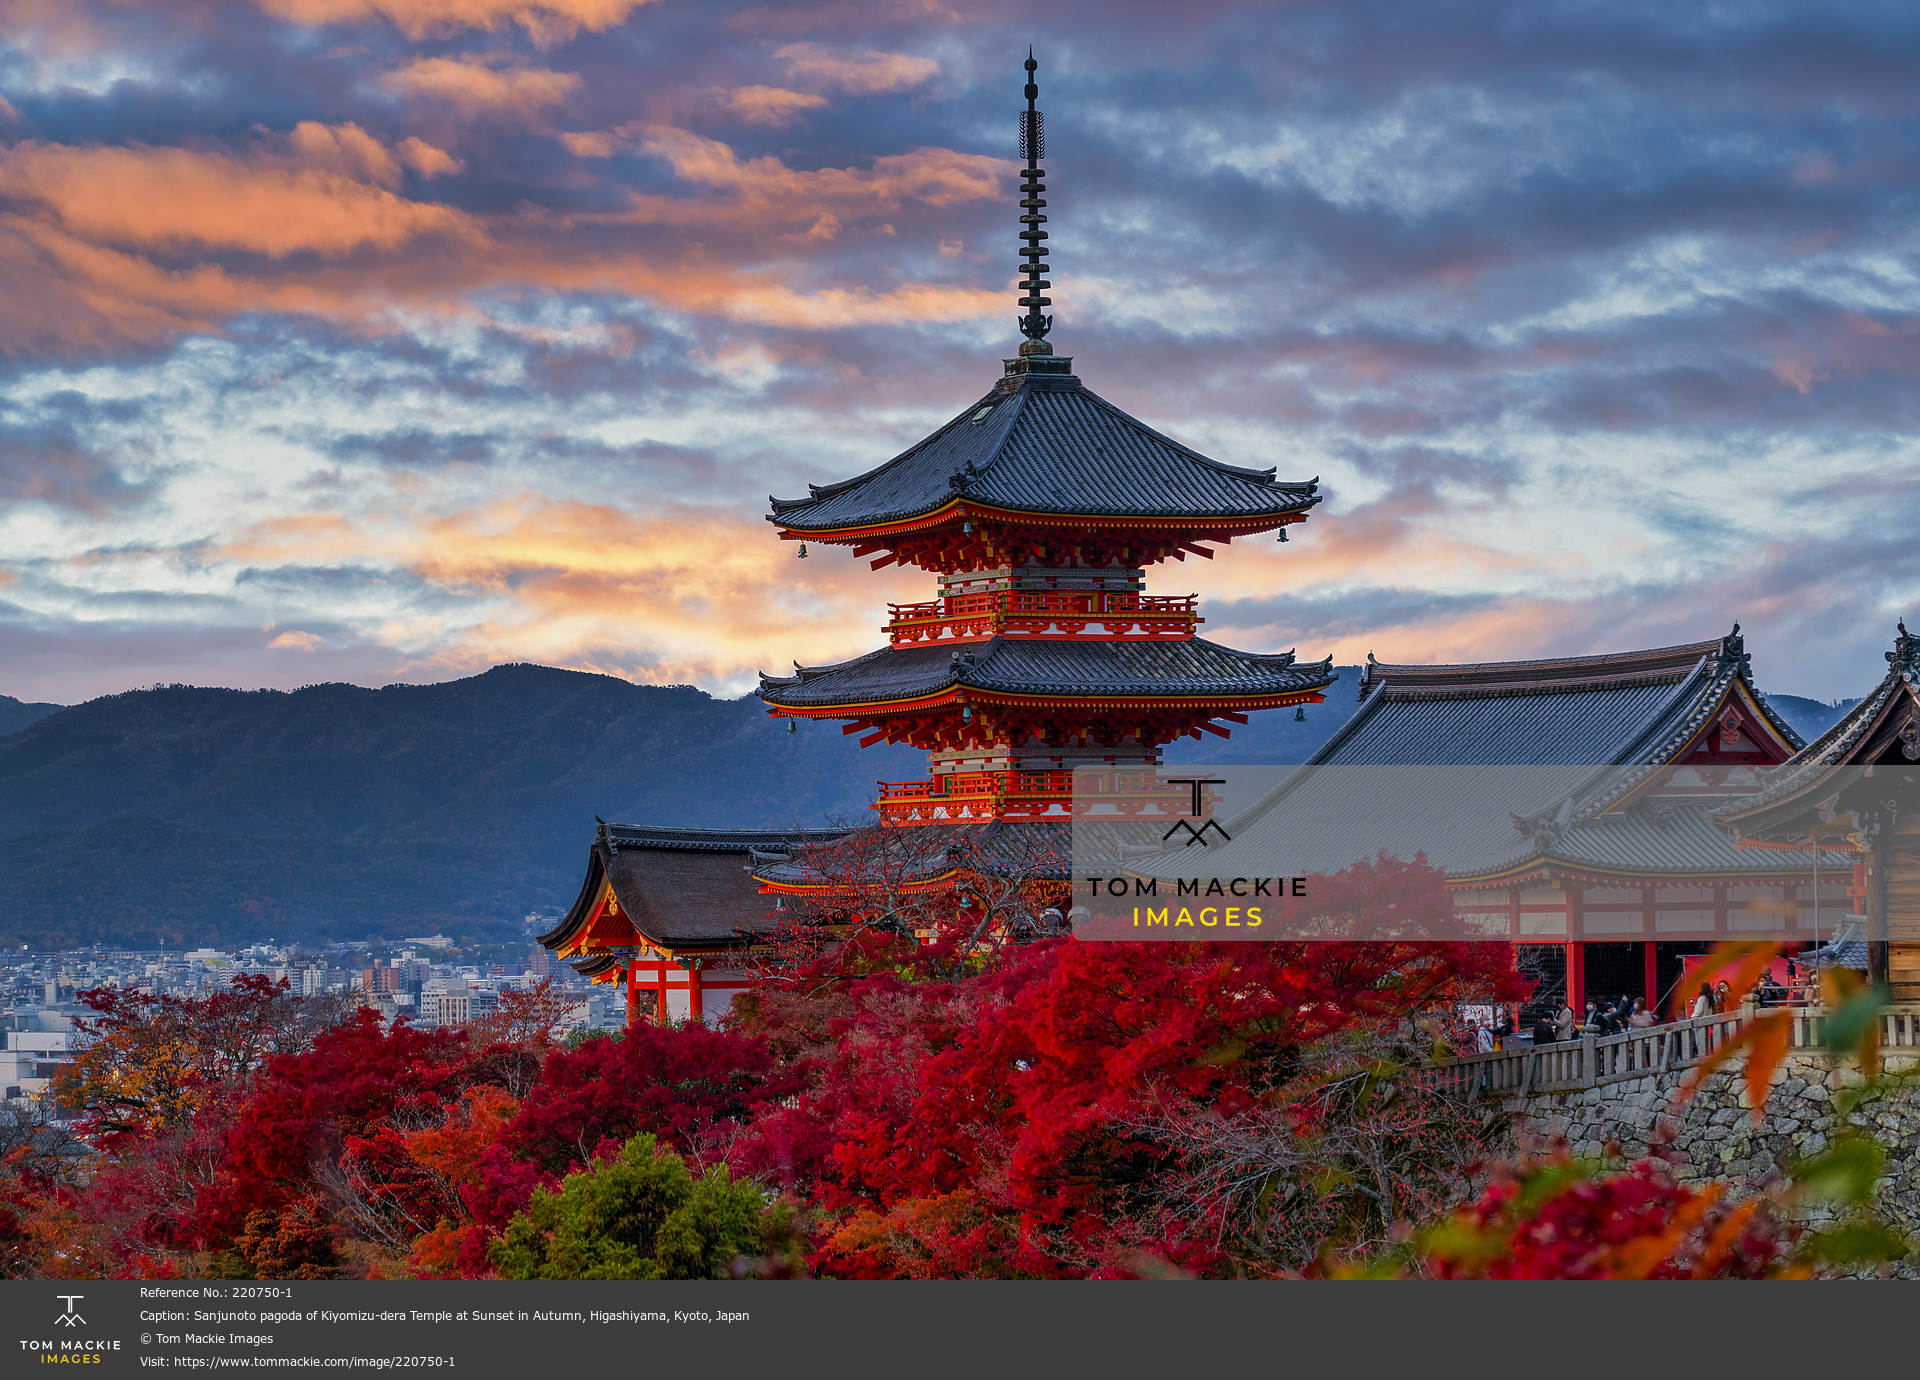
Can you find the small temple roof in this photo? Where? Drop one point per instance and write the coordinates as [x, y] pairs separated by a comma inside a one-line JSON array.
[[1050, 446], [1191, 667], [680, 888]]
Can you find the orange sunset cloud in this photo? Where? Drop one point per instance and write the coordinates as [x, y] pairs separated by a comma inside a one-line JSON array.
[[548, 21], [772, 106], [860, 73], [938, 177], [479, 83], [695, 593], [323, 192], [88, 222]]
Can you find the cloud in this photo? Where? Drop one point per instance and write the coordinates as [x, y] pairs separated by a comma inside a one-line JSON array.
[[936, 176], [297, 641], [490, 82], [1595, 324], [772, 106], [589, 144], [547, 21], [324, 192], [861, 73], [425, 159], [45, 464], [674, 593]]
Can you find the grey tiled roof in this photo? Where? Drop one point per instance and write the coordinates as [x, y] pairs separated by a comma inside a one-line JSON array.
[[1848, 953], [1606, 669], [1052, 446], [1651, 839], [1619, 708], [1022, 666], [680, 887], [1040, 849], [622, 836], [1607, 722], [1581, 726]]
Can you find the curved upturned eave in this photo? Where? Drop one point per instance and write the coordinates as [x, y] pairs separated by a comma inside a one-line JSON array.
[[578, 914], [1255, 681], [1466, 879], [1252, 495], [962, 508], [1277, 699]]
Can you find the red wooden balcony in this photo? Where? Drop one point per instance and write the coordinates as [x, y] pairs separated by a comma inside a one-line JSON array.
[[975, 796], [1018, 613]]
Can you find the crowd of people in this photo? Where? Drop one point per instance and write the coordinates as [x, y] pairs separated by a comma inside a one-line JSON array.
[[1607, 1016]]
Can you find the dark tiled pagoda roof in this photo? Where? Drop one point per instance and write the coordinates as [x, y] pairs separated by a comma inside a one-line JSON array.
[[1049, 446], [1608, 723], [1102, 669], [681, 888]]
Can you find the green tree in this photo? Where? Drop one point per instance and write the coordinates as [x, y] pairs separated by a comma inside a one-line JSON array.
[[643, 1216]]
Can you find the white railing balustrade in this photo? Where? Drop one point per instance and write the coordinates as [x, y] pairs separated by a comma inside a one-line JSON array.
[[1593, 1061]]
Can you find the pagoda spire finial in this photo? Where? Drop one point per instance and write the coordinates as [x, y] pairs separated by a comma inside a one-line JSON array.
[[1033, 248]]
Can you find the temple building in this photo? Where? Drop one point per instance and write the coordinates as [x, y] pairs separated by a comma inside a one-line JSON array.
[[672, 915], [1619, 852], [1857, 788], [1039, 508]]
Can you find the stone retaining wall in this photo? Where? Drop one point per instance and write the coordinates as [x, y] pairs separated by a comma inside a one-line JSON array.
[[1715, 1135]]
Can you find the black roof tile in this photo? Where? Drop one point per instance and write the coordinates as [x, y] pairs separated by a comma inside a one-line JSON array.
[[1051, 446], [1612, 721], [682, 887], [1020, 666]]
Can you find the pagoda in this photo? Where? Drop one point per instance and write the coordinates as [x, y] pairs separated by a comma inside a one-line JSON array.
[[1040, 508]]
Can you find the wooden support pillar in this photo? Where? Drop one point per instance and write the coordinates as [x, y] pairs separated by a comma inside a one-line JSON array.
[[660, 992], [1576, 955], [1879, 951], [1653, 978], [632, 975], [696, 1010]]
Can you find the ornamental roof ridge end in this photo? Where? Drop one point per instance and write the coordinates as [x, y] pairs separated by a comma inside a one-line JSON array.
[[1808, 765], [1905, 656]]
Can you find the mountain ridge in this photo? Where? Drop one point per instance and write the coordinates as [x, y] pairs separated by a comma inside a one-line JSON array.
[[16, 715], [178, 815]]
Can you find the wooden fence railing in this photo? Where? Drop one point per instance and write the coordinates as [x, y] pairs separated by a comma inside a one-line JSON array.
[[1594, 1061]]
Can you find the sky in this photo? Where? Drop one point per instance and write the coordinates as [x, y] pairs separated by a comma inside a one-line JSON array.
[[387, 340]]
